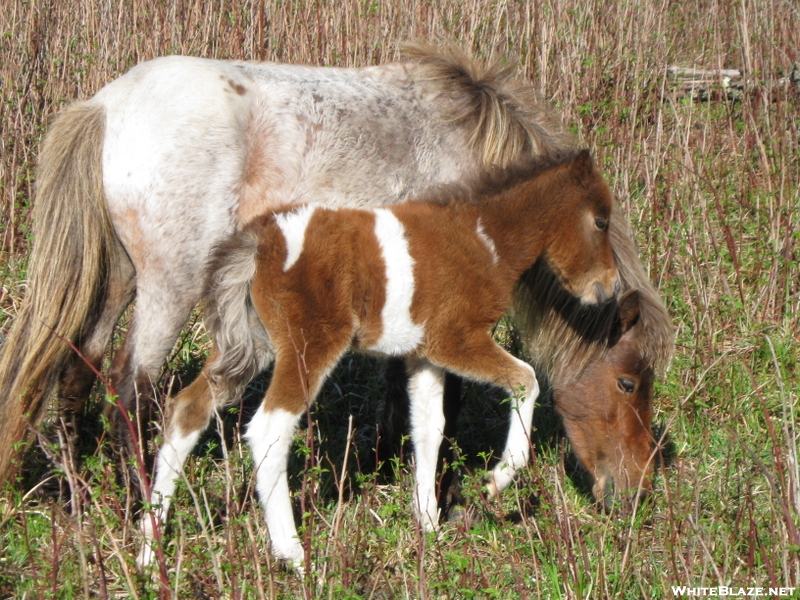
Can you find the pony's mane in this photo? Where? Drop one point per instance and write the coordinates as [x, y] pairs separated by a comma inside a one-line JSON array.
[[564, 335], [509, 118]]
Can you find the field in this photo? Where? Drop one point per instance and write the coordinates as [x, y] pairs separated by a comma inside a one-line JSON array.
[[711, 186]]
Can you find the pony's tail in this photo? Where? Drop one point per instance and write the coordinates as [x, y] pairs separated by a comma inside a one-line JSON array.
[[508, 117], [242, 343], [72, 249]]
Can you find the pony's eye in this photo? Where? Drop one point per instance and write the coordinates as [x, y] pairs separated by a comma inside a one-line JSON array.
[[601, 223], [626, 384]]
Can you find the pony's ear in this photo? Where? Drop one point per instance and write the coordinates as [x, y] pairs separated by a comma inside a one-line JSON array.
[[583, 166], [629, 310]]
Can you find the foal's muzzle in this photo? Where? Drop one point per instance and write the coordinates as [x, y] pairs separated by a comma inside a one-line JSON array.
[[602, 294]]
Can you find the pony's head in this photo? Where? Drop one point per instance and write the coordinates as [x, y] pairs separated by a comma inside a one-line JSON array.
[[607, 413], [579, 249]]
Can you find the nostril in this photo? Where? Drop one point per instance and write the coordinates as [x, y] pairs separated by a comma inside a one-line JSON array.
[[617, 286], [608, 495]]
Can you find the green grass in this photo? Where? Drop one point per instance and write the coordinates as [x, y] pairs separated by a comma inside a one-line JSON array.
[[712, 190]]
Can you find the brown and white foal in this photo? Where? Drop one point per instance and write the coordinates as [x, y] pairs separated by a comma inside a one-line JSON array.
[[421, 280]]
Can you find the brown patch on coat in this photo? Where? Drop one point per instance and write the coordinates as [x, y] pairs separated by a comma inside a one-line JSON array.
[[191, 410], [329, 300], [237, 87], [261, 173]]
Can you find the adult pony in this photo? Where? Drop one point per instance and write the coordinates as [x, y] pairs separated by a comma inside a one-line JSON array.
[[418, 280], [137, 184]]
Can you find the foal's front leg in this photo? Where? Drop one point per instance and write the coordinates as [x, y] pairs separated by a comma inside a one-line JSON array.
[[524, 390], [426, 391], [477, 356]]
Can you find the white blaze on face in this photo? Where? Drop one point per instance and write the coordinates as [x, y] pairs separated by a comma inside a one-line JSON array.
[[293, 225], [400, 334]]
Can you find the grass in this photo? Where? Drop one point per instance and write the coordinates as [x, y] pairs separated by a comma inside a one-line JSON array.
[[712, 192]]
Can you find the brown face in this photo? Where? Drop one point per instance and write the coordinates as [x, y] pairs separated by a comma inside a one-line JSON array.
[[580, 253], [607, 415]]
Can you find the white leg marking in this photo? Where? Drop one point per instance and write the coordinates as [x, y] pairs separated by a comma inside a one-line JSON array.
[[517, 450], [270, 437], [426, 390], [486, 239], [400, 334], [169, 467], [293, 226]]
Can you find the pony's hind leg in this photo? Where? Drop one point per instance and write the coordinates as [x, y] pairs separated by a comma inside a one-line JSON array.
[[477, 356], [158, 317], [78, 377], [426, 390]]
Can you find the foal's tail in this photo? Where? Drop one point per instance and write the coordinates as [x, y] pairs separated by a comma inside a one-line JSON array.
[[74, 242], [242, 342]]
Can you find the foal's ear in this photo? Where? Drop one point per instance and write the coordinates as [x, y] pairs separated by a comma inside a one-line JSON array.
[[629, 310], [583, 166]]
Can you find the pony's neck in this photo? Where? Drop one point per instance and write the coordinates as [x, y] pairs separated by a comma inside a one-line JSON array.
[[519, 222]]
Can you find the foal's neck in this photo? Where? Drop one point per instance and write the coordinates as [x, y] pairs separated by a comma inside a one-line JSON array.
[[519, 221]]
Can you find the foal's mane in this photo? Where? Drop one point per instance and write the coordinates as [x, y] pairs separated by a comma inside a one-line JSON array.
[[495, 180], [509, 119]]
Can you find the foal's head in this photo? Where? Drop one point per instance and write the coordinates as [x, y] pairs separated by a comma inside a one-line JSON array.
[[578, 246]]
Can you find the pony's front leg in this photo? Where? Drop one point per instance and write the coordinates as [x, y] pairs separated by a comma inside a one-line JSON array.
[[270, 434], [426, 391], [517, 451], [190, 415]]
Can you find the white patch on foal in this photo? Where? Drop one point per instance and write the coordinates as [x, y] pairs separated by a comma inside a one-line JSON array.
[[426, 391], [169, 467], [400, 334], [518, 445], [487, 240], [293, 226], [270, 436]]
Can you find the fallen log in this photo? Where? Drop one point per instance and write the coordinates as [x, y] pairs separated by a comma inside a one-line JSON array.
[[724, 84]]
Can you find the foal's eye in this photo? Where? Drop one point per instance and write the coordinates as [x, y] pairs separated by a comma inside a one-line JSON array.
[[601, 223], [626, 384]]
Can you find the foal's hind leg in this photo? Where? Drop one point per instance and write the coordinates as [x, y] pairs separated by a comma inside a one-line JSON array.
[[296, 380], [477, 356], [190, 414]]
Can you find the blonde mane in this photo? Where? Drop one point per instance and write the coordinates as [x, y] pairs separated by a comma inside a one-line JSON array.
[[509, 119]]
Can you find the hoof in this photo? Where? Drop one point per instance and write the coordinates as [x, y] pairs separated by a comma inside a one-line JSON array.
[[491, 488]]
